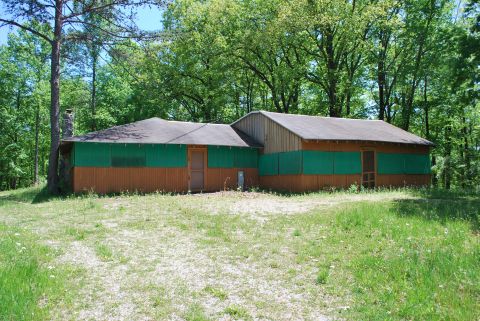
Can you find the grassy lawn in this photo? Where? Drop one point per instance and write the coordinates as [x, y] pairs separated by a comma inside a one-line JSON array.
[[396, 255]]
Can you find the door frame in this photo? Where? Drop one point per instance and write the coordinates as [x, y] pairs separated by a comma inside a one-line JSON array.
[[197, 148], [370, 149]]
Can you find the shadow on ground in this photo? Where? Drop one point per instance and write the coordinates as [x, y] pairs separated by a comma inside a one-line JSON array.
[[29, 195], [442, 206]]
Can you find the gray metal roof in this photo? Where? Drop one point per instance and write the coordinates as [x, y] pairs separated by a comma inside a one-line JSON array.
[[329, 128], [160, 131]]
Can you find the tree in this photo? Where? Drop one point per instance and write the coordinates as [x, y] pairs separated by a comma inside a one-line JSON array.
[[65, 16]]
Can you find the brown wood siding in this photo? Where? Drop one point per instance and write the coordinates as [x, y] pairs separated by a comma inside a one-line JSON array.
[[219, 179], [358, 146], [104, 180], [321, 182], [143, 179], [272, 136], [291, 183], [307, 183], [400, 180]]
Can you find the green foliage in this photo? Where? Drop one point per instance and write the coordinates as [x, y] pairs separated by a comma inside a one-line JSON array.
[[23, 108], [409, 63]]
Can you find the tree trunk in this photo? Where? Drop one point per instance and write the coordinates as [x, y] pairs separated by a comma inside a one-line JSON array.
[[426, 108], [37, 129], [408, 108], [448, 154], [466, 155], [52, 177], [348, 100], [381, 89], [334, 111], [94, 93]]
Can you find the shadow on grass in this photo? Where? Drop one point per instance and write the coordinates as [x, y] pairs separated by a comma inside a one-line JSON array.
[[32, 195], [442, 206]]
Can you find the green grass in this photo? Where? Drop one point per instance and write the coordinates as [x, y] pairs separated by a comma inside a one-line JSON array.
[[237, 312], [421, 267], [322, 275], [388, 255], [103, 251], [216, 292], [29, 285], [196, 313]]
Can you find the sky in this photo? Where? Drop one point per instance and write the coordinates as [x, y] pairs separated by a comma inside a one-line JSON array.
[[148, 19]]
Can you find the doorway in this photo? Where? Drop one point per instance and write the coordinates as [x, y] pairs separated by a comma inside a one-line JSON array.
[[197, 169], [368, 168]]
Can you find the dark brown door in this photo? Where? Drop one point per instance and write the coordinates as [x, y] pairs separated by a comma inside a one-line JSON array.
[[368, 168], [197, 167]]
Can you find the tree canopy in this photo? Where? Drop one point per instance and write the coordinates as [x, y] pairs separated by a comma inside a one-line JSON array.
[[412, 63]]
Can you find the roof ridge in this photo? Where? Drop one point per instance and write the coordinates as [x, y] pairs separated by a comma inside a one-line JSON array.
[[317, 116]]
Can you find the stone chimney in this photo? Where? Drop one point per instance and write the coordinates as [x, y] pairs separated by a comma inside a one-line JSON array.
[[68, 117], [65, 155]]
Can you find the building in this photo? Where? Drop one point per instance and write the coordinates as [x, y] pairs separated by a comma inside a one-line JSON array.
[[273, 151]]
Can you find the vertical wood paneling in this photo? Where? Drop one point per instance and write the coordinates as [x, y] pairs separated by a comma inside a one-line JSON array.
[[219, 179], [279, 139], [274, 137], [148, 179], [290, 183], [142, 179], [357, 146], [400, 180], [253, 125], [251, 177]]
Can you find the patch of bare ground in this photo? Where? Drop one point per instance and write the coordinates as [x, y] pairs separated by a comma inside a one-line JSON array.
[[259, 205], [158, 268], [166, 273]]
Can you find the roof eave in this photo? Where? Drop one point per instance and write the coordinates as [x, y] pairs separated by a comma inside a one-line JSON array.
[[428, 143]]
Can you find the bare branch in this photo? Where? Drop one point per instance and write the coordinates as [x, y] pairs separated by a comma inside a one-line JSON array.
[[24, 27]]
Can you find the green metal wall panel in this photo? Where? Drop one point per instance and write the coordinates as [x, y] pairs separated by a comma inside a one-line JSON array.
[[417, 164], [290, 163], [232, 157], [317, 162], [128, 155], [396, 163], [347, 163], [390, 163], [246, 158], [221, 156], [168, 155], [92, 154], [268, 164]]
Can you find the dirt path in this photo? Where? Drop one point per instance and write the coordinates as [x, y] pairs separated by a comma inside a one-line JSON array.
[[166, 279]]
